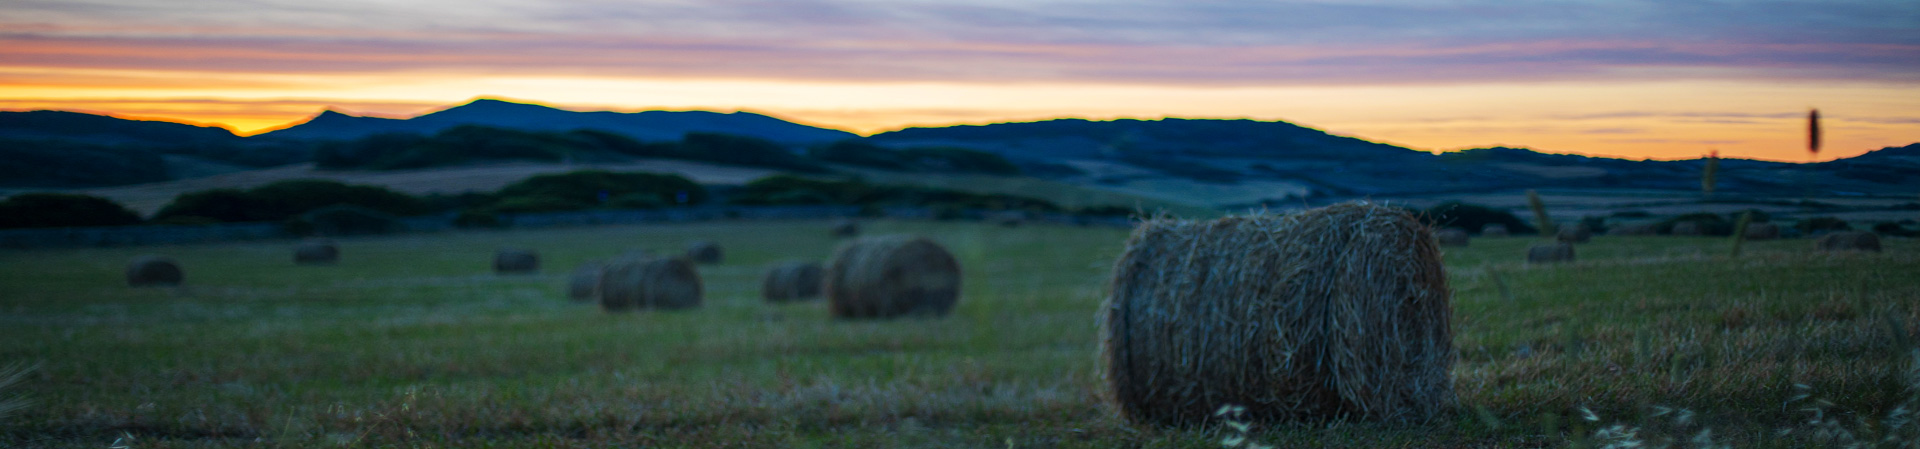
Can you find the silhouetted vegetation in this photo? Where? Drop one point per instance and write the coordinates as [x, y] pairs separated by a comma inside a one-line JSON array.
[[794, 190], [54, 163], [60, 210], [474, 143], [344, 219], [1474, 217], [1813, 225], [284, 200], [588, 189], [1710, 223], [930, 159]]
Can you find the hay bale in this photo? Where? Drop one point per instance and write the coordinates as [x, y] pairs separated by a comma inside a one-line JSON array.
[[1849, 241], [1336, 311], [147, 271], [890, 276], [1008, 218], [515, 260], [846, 228], [1550, 253], [1579, 233], [1763, 231], [667, 283], [584, 284], [1452, 237], [1495, 230], [1632, 230], [1688, 228], [316, 252], [791, 281], [704, 252]]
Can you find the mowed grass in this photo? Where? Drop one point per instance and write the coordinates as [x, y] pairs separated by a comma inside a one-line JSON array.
[[411, 342]]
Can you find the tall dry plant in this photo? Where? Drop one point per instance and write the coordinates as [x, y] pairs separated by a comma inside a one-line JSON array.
[[1740, 232], [1707, 175], [10, 378], [1540, 217], [1813, 132]]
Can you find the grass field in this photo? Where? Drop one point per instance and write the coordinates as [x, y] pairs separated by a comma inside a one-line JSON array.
[[411, 342]]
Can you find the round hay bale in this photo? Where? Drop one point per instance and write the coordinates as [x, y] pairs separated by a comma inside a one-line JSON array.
[[584, 284], [316, 252], [889, 276], [1550, 253], [514, 260], [1763, 231], [704, 252], [1579, 233], [147, 271], [1336, 311], [1688, 228], [1631, 230], [1849, 241], [791, 281], [649, 283], [1495, 230], [1452, 237], [846, 228], [1008, 218]]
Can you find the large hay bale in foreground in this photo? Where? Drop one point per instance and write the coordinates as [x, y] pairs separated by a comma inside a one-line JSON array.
[[1849, 241], [890, 276], [704, 252], [650, 283], [1688, 228], [846, 228], [1452, 237], [1495, 230], [1763, 231], [791, 281], [584, 284], [1578, 233], [316, 252], [514, 260], [1550, 253], [1329, 312], [1632, 230], [146, 271]]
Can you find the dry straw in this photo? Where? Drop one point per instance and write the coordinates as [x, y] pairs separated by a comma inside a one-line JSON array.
[[890, 276], [791, 281], [514, 260], [316, 252], [584, 284], [1341, 311], [1550, 253], [1763, 231], [145, 271], [1708, 173], [1578, 233], [1452, 237], [1540, 218], [704, 252], [1849, 241], [1740, 231], [1495, 230], [643, 282]]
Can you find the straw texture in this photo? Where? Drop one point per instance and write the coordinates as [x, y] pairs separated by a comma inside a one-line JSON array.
[[147, 271], [791, 281], [649, 283], [513, 260], [316, 252], [890, 276], [1342, 311], [1849, 241]]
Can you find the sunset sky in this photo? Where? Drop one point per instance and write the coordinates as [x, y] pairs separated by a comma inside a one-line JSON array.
[[1665, 79]]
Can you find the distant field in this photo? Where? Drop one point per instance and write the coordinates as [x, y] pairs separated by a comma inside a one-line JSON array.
[[411, 342]]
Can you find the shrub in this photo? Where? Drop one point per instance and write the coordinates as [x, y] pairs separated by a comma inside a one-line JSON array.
[[58, 210], [1708, 223], [284, 200], [1456, 214], [592, 188], [743, 150], [1813, 225]]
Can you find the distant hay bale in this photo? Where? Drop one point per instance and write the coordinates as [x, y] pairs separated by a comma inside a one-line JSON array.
[[1631, 230], [514, 260], [704, 252], [791, 281], [1452, 237], [584, 284], [1763, 231], [1550, 253], [316, 252], [846, 228], [1494, 230], [1849, 241], [667, 283], [890, 276], [1341, 311], [1688, 228], [1578, 233], [146, 271], [1009, 218]]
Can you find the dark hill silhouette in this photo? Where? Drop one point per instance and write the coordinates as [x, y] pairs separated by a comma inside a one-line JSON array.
[[646, 125], [1172, 137], [101, 129]]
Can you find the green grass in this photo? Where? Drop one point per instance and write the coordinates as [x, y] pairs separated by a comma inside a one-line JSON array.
[[410, 342]]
